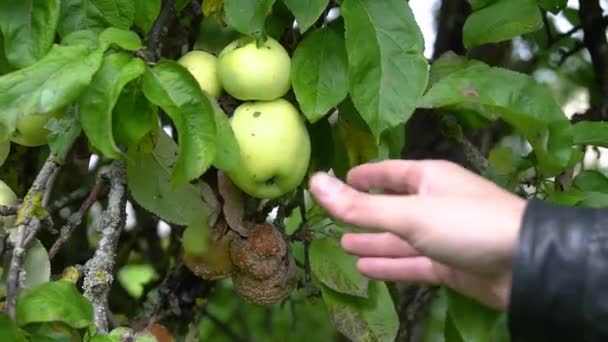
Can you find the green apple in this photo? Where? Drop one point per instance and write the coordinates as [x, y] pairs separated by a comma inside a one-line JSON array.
[[274, 146], [7, 197], [252, 73], [203, 66], [30, 130]]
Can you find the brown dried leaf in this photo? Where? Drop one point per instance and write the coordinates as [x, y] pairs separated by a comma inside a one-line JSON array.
[[214, 204], [234, 203]]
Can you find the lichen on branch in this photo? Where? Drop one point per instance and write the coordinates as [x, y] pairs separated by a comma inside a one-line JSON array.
[[99, 270], [29, 217]]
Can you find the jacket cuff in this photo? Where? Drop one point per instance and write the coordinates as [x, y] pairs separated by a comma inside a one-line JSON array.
[[555, 293]]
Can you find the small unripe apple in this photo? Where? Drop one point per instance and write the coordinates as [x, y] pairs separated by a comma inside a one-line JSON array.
[[274, 147], [207, 251], [30, 129], [203, 66], [7, 197], [249, 72]]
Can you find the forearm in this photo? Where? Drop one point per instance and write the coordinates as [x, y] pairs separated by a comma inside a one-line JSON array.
[[560, 275]]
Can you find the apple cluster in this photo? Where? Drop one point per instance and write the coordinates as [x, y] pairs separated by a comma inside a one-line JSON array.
[[271, 132]]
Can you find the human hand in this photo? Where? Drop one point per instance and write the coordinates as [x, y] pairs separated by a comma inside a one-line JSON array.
[[434, 223]]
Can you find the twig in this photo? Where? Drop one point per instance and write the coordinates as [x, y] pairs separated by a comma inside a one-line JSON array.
[[76, 218], [590, 13], [99, 269], [73, 196], [547, 29], [578, 46], [304, 227], [474, 156], [27, 226], [159, 29], [49, 184], [8, 210], [576, 29]]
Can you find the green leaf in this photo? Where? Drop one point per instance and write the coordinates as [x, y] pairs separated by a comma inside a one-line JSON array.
[[590, 133], [51, 84], [553, 6], [594, 199], [212, 7], [5, 150], [37, 265], [353, 142], [194, 238], [478, 4], [387, 70], [213, 37], [361, 319], [133, 116], [518, 99], [57, 301], [118, 13], [502, 160], [5, 66], [569, 198], [500, 21], [87, 38], [306, 12], [591, 180], [63, 131], [146, 12], [279, 20], [228, 155], [472, 320], [124, 39], [246, 16], [9, 330], [392, 142], [106, 338], [148, 177], [434, 324], [28, 27], [133, 278], [448, 63], [97, 103], [51, 332], [79, 15], [572, 15], [451, 333], [336, 269], [95, 14], [320, 73], [180, 5], [171, 87]]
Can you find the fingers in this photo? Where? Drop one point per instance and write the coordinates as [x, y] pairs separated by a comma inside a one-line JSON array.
[[386, 212], [385, 245], [398, 176], [416, 269], [423, 177]]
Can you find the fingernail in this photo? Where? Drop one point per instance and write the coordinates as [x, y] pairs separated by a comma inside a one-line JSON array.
[[325, 186]]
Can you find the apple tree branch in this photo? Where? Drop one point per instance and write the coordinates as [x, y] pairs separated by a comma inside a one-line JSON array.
[[98, 271]]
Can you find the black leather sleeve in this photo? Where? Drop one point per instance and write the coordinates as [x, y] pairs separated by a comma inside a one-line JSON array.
[[560, 275]]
